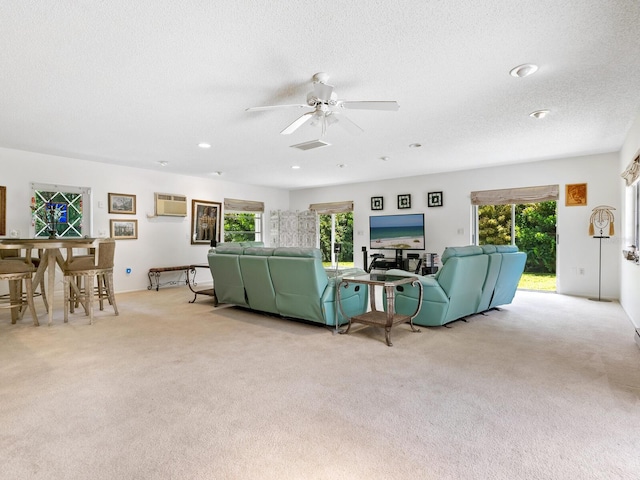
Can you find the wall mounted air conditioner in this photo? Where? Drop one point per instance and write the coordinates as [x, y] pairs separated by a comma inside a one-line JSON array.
[[168, 204]]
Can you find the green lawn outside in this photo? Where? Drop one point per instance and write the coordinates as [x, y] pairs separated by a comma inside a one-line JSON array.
[[545, 282], [538, 281]]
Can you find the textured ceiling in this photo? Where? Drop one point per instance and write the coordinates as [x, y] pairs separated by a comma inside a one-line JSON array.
[[141, 82]]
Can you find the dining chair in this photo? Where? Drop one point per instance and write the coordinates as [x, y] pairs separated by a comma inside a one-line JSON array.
[[14, 254], [17, 269], [98, 264]]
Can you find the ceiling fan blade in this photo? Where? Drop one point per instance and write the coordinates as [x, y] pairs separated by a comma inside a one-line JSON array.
[[322, 91], [273, 107], [374, 105], [298, 122], [344, 122]]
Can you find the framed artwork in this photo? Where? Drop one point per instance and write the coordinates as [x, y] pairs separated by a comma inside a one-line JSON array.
[[404, 201], [377, 203], [434, 199], [124, 229], [576, 195], [205, 222], [122, 203]]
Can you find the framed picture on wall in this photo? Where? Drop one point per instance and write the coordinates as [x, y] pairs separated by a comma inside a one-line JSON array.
[[434, 199], [404, 201], [122, 203], [377, 203], [576, 195], [205, 222], [124, 229]]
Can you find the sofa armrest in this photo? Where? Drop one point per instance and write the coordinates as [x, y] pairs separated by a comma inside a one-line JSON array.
[[431, 289]]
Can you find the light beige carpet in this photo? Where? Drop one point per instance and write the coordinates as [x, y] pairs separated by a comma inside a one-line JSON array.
[[547, 388]]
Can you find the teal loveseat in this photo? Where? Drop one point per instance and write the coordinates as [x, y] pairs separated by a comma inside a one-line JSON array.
[[287, 281], [472, 279]]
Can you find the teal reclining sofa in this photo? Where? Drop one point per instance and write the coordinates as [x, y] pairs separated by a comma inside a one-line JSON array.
[[286, 281], [473, 279]]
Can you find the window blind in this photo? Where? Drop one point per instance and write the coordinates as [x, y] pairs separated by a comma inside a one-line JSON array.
[[507, 196], [234, 205], [332, 207], [632, 172]]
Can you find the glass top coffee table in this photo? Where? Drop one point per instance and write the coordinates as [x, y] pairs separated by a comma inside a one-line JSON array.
[[377, 318]]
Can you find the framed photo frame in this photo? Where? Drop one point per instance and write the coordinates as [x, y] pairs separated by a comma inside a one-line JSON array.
[[124, 229], [404, 201], [576, 195], [205, 222], [434, 199], [377, 203], [122, 203]]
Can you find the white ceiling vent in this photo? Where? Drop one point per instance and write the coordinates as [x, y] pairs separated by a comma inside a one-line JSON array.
[[311, 144]]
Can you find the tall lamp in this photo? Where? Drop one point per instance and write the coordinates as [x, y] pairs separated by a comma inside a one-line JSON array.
[[601, 220]]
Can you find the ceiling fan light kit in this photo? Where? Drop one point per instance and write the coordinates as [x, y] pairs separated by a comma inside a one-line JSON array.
[[327, 109]]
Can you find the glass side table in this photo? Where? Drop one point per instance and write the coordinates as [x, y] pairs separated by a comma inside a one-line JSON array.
[[375, 317]]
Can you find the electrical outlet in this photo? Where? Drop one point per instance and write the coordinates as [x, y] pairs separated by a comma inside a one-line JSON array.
[[581, 271]]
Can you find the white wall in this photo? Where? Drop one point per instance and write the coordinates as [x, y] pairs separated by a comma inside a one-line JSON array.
[[451, 224], [629, 271], [162, 241], [165, 240]]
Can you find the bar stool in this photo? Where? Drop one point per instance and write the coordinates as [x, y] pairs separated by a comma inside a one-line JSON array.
[[17, 269], [87, 268], [14, 254]]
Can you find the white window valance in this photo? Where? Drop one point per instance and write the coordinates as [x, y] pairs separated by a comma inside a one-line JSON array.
[[234, 205], [332, 207], [632, 172], [507, 196]]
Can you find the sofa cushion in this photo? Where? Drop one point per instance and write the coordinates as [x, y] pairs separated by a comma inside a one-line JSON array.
[[299, 282], [227, 278], [259, 251], [466, 251], [506, 248], [298, 252], [229, 249], [257, 281]]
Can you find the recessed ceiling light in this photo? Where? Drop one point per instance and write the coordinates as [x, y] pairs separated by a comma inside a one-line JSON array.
[[539, 113], [415, 145], [523, 70], [295, 167], [342, 165], [163, 163], [384, 159], [216, 174], [204, 145]]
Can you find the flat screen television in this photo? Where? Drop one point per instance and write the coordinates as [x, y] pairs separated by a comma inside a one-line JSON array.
[[397, 232]]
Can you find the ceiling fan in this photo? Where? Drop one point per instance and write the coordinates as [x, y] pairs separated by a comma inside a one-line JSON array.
[[326, 109]]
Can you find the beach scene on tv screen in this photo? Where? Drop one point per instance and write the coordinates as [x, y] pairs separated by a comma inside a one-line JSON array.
[[397, 232]]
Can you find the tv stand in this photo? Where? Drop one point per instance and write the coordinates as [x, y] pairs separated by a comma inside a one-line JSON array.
[[379, 262]]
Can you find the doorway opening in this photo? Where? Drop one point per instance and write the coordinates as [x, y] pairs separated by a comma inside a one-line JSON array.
[[532, 228]]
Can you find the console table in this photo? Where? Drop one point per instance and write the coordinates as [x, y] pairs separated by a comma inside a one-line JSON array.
[[154, 276], [380, 318]]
